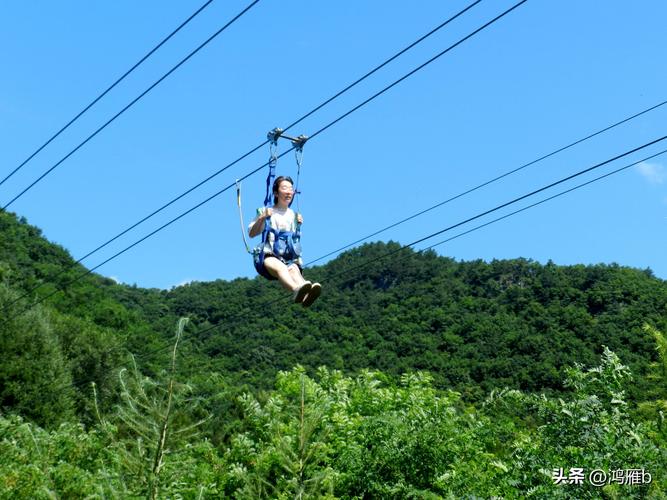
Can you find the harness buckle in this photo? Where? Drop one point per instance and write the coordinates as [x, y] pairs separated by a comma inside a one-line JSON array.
[[298, 142], [274, 135]]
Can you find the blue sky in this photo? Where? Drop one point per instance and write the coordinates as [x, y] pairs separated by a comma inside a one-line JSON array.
[[544, 76]]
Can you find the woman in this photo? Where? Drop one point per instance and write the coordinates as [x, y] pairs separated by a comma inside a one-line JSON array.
[[281, 251]]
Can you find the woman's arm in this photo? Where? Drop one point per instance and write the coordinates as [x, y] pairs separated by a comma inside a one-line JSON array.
[[258, 225]]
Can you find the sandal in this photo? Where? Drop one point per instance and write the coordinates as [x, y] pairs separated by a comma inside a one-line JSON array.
[[301, 292], [314, 292]]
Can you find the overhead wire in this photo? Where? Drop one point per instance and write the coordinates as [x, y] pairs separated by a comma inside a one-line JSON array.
[[324, 128], [134, 101], [418, 68], [393, 253], [487, 212], [466, 192], [486, 25], [105, 92], [528, 195], [471, 218], [490, 181], [256, 148], [557, 195], [480, 215]]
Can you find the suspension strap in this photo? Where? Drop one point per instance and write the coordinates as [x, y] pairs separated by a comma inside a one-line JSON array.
[[272, 136], [298, 143], [238, 201]]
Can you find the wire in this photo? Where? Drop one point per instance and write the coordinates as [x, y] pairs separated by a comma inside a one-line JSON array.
[[483, 213], [66, 126], [256, 148], [447, 229], [391, 253], [326, 127], [265, 164], [418, 68], [523, 197], [579, 186], [132, 103], [377, 68], [491, 181]]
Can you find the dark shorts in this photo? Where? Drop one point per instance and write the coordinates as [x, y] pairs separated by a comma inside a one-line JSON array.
[[259, 265]]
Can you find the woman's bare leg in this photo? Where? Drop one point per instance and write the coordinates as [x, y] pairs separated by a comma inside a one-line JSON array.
[[296, 275], [279, 270]]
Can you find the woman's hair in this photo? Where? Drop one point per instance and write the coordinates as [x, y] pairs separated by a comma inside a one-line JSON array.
[[276, 185]]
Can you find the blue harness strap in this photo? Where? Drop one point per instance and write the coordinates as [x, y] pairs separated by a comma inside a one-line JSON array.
[[258, 255], [286, 244], [286, 247]]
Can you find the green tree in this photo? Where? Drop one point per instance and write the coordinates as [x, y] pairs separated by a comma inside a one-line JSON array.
[[156, 422], [654, 406], [34, 377]]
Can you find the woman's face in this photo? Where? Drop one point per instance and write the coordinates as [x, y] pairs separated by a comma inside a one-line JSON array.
[[285, 192]]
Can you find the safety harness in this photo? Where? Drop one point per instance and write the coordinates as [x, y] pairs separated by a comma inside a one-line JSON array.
[[286, 244]]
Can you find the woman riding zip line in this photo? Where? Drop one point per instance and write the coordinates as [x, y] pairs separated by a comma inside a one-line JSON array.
[[279, 258]]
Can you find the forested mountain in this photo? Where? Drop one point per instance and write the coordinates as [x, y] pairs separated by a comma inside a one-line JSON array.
[[468, 327], [473, 325]]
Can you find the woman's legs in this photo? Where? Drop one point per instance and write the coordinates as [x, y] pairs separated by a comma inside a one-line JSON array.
[[287, 277], [296, 275], [314, 288], [290, 278]]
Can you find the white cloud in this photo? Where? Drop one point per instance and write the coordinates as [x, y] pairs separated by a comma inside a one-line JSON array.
[[115, 279], [652, 172]]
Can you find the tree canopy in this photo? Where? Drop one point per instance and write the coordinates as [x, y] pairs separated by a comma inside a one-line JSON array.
[[413, 376]]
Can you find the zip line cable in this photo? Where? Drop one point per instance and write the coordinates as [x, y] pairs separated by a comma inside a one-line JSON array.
[[134, 101], [404, 247], [209, 178], [395, 224], [523, 197], [482, 214], [167, 224], [447, 229], [326, 127], [66, 126], [557, 195], [491, 181], [437, 56], [377, 68]]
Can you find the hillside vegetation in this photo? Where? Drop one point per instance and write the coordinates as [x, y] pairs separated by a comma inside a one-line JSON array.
[[413, 376]]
